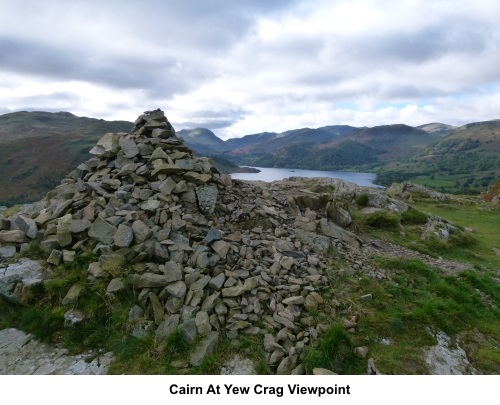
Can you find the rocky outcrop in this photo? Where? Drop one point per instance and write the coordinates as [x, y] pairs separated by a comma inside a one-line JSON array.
[[408, 190], [18, 280], [22, 354]]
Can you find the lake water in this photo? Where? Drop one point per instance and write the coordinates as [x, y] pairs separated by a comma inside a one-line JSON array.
[[273, 174]]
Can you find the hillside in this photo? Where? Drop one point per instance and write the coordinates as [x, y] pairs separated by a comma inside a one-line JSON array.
[[437, 128], [337, 148], [202, 140], [38, 148], [465, 161], [38, 124]]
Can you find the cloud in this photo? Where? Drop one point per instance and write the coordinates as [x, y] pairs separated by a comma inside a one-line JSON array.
[[243, 67]]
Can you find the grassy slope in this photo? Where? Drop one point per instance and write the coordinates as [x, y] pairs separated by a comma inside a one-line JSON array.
[[465, 161]]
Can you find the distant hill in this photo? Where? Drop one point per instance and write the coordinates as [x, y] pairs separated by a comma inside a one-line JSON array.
[[247, 140], [202, 140], [337, 147], [467, 160], [37, 149], [38, 124], [437, 128]]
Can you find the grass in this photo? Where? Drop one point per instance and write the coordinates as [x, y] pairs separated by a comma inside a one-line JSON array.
[[383, 219], [334, 352], [471, 213], [413, 300]]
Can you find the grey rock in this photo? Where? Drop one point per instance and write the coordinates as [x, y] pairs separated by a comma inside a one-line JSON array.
[[177, 289], [338, 215], [167, 186], [167, 327], [204, 348], [221, 248], [296, 300], [287, 365], [107, 145], [213, 235], [73, 294], [152, 280], [116, 285], [234, 291], [73, 317], [95, 270], [102, 231], [40, 358], [238, 366], [317, 242], [141, 231], [7, 251], [79, 225], [203, 323], [15, 236], [27, 225], [68, 256], [17, 279], [158, 311], [188, 330], [287, 262], [129, 147], [217, 282], [207, 198], [64, 236], [173, 271], [197, 178], [335, 231], [361, 352], [124, 236]]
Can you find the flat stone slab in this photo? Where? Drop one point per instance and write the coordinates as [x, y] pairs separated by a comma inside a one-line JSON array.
[[22, 354]]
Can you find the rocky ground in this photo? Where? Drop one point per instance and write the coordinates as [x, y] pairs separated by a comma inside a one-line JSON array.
[[21, 354], [204, 254]]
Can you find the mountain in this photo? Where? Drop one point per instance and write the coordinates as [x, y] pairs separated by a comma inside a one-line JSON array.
[[37, 124], [392, 142], [337, 147], [437, 128], [464, 161], [202, 140], [247, 140], [38, 148], [290, 148]]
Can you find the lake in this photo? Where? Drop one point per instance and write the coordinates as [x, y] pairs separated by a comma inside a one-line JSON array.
[[273, 174]]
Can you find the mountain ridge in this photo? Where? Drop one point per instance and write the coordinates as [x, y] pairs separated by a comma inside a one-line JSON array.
[[67, 139]]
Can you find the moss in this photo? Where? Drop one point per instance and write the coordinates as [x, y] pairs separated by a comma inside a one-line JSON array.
[[362, 200], [414, 217], [387, 220]]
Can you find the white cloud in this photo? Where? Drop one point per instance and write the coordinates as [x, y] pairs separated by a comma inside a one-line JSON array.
[[242, 67]]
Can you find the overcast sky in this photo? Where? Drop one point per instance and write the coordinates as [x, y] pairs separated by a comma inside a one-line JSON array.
[[246, 66]]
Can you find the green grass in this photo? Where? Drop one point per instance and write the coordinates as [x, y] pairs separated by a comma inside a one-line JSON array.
[[384, 220], [334, 352], [417, 299], [471, 213]]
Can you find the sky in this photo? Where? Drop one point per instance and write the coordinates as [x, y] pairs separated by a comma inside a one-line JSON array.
[[240, 67]]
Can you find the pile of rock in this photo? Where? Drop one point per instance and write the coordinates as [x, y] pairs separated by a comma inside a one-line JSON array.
[[205, 254]]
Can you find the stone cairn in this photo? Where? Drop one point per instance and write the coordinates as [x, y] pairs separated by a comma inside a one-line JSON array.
[[207, 255]]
